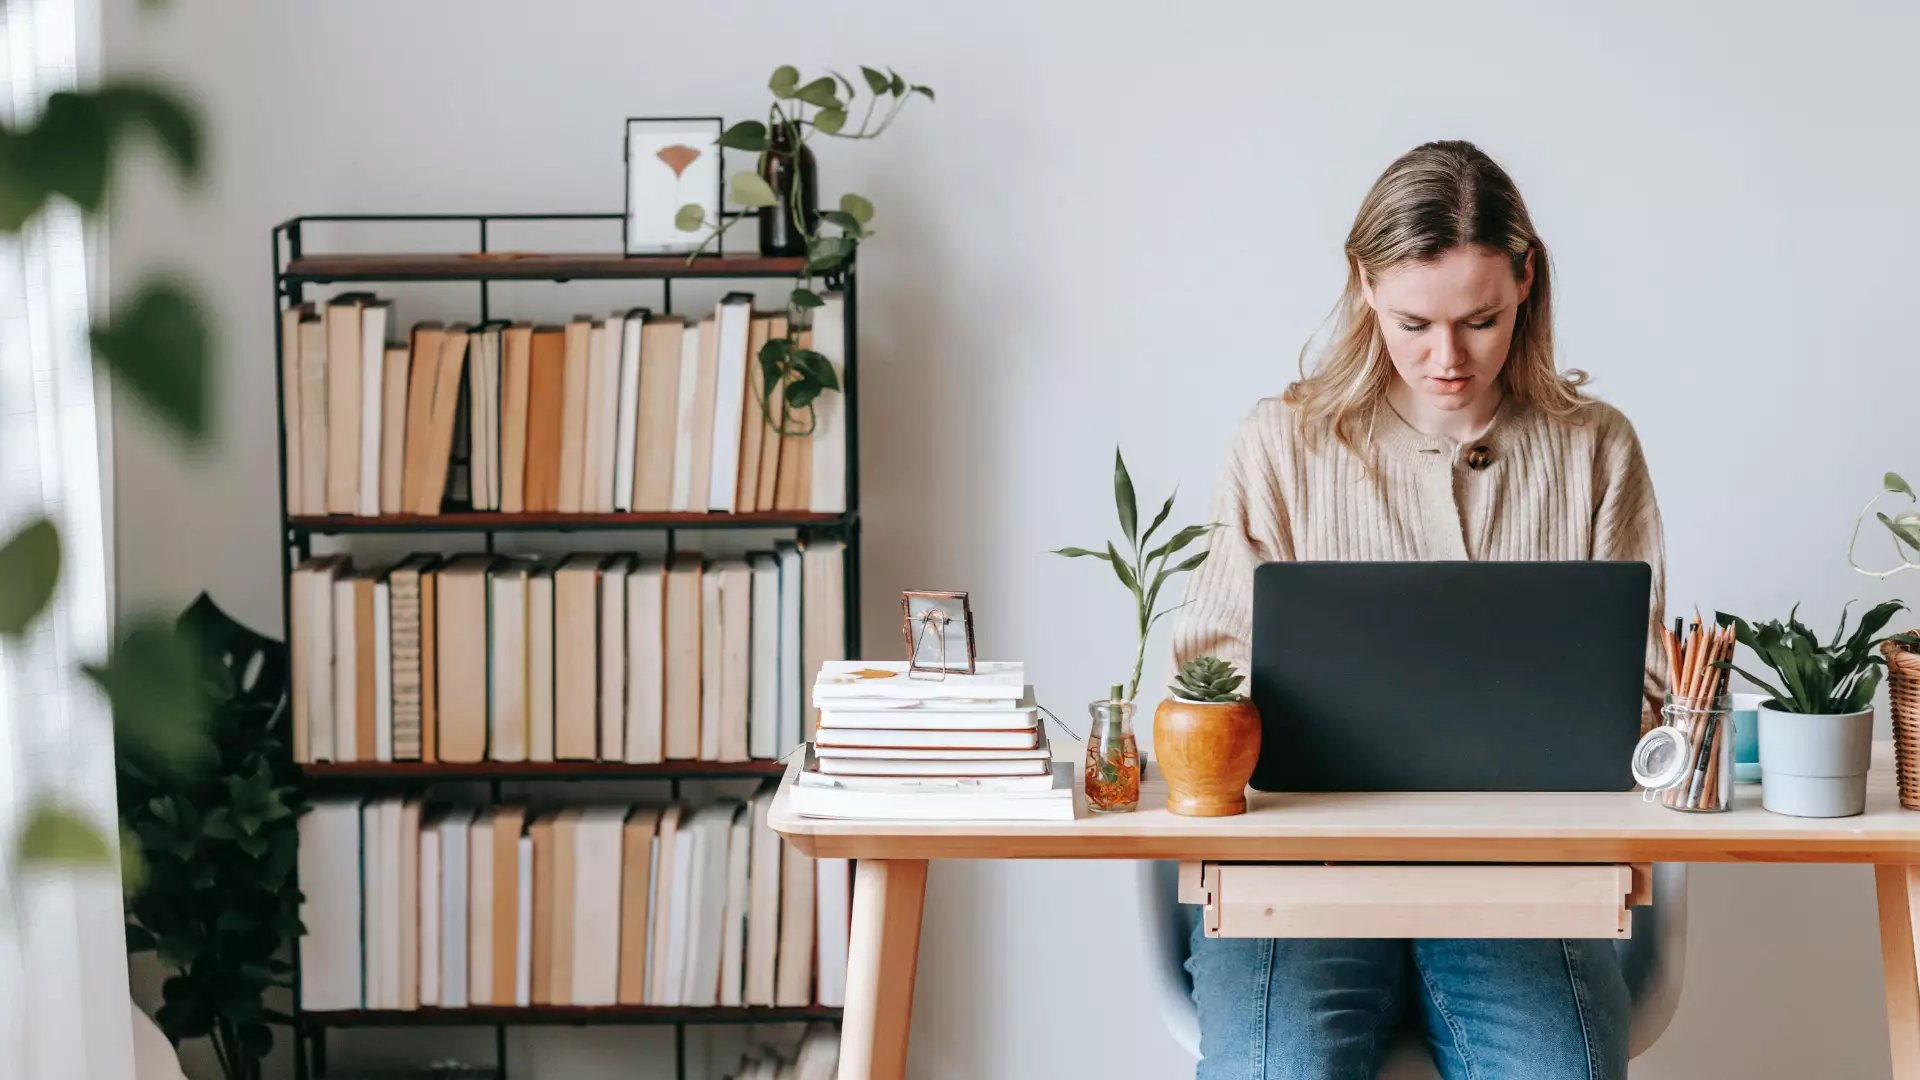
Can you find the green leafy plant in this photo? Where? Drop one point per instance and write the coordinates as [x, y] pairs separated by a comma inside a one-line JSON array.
[[1143, 571], [1831, 679], [1905, 530], [1207, 679], [220, 849], [799, 111], [156, 345]]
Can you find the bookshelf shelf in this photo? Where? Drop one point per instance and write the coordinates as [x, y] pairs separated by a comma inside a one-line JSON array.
[[519, 266], [561, 1015], [341, 525], [373, 772]]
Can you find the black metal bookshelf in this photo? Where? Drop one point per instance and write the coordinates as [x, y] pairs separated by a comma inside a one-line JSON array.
[[295, 267]]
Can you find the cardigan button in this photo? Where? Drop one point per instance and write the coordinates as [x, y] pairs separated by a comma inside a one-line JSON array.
[[1479, 457]]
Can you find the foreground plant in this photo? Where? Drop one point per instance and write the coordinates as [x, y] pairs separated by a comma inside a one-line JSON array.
[[1837, 678], [1209, 680]]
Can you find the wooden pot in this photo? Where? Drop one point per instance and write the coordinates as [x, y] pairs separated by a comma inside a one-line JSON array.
[[1206, 752]]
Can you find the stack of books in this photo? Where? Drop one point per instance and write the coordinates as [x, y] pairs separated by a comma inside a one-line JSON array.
[[636, 412], [924, 746], [409, 903]]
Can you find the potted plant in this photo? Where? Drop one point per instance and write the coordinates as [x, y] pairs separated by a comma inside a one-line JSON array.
[[1113, 757], [1816, 734], [1207, 740]]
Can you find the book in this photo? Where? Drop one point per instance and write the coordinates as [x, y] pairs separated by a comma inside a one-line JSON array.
[[823, 615], [792, 674], [429, 900], [423, 381], [845, 682], [546, 407], [516, 377], [382, 670], [576, 378], [393, 427], [763, 694], [540, 833], [346, 686], [763, 902], [793, 490], [1036, 766], [819, 1057], [930, 716], [793, 974], [771, 420], [595, 459], [344, 405], [507, 666], [576, 653], [483, 414], [366, 712], [828, 444], [753, 424], [733, 921], [606, 401], [655, 460], [665, 845], [627, 408], [408, 913], [909, 754], [509, 828], [315, 440], [733, 325], [613, 657], [461, 658], [290, 440], [330, 905], [712, 666], [736, 648], [373, 944], [683, 657], [835, 910], [646, 664], [598, 849], [925, 785], [482, 905], [566, 868], [933, 799], [875, 738], [636, 900], [712, 831], [373, 379], [680, 910], [700, 445], [686, 421], [446, 412], [540, 664], [455, 857], [523, 932], [405, 641], [300, 659], [430, 663]]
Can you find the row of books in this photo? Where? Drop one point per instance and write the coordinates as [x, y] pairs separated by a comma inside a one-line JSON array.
[[410, 905], [635, 412], [816, 1058], [895, 743], [595, 657]]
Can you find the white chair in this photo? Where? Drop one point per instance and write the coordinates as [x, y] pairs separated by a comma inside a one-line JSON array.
[[1653, 960]]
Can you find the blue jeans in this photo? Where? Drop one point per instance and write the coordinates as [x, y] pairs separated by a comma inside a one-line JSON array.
[[1323, 1009]]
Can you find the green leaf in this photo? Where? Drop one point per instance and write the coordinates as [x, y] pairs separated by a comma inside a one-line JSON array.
[[805, 299], [749, 189], [925, 90], [749, 135], [801, 394], [139, 939], [817, 368], [1075, 552], [29, 572], [1906, 527], [830, 121], [1165, 509], [1180, 540], [844, 220], [826, 252], [152, 679], [845, 83], [857, 207], [820, 93], [158, 346], [133, 864], [897, 85], [786, 78], [690, 218], [773, 359], [1123, 499], [1124, 571], [876, 82], [1896, 484], [163, 115], [54, 835]]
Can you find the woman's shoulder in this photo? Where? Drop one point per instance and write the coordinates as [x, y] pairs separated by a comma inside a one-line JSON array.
[[1272, 429], [1595, 420]]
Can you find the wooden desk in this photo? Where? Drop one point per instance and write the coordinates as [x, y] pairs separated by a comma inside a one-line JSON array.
[[891, 878]]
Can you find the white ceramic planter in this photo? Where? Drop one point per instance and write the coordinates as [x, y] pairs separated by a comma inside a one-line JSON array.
[[1815, 766]]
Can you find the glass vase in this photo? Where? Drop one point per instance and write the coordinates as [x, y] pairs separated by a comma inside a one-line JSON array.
[[1113, 759], [780, 233]]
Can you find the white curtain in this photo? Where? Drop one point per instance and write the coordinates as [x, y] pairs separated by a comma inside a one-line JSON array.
[[63, 975]]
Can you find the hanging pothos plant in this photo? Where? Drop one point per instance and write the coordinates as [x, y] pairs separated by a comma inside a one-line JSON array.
[[790, 374]]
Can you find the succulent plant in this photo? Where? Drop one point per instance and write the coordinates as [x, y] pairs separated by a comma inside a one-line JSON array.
[[1207, 679]]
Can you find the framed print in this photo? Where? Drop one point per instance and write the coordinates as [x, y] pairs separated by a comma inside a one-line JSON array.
[[939, 631], [670, 162]]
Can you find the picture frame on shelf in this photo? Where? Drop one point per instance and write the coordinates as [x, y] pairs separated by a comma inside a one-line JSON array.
[[671, 162], [939, 632]]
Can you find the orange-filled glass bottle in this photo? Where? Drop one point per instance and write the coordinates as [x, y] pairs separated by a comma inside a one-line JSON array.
[[1113, 757]]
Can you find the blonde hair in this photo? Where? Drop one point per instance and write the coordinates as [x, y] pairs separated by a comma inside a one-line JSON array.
[[1435, 198]]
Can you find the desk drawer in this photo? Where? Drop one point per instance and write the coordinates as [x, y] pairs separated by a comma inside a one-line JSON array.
[[1409, 901]]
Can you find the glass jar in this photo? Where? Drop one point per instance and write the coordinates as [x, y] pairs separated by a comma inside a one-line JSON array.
[[778, 234], [1686, 763], [1113, 758]]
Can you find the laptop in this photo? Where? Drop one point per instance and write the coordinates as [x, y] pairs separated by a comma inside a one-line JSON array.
[[1448, 676]]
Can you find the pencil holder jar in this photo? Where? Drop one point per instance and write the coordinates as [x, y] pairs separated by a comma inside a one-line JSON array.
[[1686, 763]]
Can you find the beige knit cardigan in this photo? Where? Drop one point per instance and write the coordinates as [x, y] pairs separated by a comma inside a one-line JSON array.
[[1546, 489]]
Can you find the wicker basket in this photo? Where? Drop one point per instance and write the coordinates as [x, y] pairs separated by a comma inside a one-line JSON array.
[[1903, 687]]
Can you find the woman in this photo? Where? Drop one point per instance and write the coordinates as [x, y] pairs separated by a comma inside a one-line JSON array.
[[1434, 426]]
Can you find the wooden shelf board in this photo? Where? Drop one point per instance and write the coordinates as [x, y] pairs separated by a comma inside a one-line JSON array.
[[402, 771], [541, 266], [543, 522], [516, 1016]]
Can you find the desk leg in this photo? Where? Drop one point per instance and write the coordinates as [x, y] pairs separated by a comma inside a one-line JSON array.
[[1899, 893], [882, 955]]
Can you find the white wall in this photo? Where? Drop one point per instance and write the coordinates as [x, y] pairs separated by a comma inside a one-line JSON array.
[[1118, 224]]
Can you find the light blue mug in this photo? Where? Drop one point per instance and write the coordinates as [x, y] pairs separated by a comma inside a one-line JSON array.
[[1746, 737]]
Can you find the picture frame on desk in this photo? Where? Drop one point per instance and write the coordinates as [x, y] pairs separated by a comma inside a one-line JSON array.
[[939, 633], [671, 162]]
